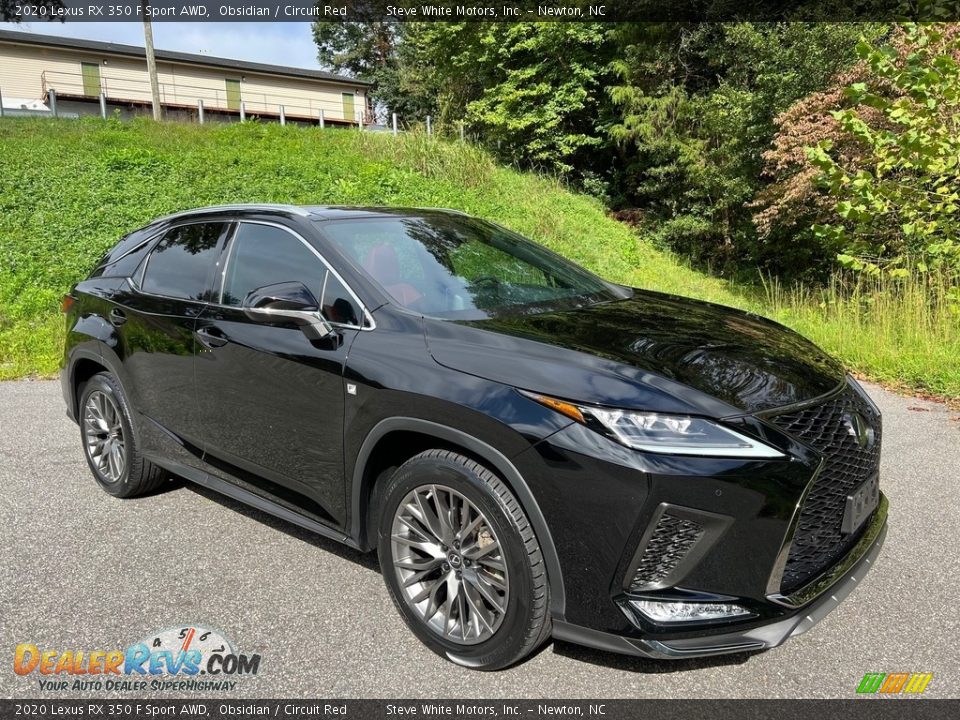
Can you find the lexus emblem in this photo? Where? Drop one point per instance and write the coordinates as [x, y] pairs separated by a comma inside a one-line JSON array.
[[859, 429]]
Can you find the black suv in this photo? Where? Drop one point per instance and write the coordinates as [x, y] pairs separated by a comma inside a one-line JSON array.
[[531, 450]]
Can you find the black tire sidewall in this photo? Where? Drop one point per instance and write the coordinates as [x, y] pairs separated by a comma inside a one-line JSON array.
[[506, 645]]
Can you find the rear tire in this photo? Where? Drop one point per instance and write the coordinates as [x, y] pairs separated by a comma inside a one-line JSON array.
[[109, 443], [461, 561]]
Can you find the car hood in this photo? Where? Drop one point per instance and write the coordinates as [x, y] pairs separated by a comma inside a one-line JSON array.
[[652, 351]]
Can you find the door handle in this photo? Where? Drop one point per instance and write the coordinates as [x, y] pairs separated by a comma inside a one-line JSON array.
[[211, 337], [117, 318]]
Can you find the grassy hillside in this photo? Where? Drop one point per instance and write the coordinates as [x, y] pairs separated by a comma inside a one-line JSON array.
[[69, 189]]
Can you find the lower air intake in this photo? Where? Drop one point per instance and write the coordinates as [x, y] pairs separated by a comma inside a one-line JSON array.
[[671, 541]]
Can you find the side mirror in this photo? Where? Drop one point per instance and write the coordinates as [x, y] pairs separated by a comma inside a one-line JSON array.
[[287, 302]]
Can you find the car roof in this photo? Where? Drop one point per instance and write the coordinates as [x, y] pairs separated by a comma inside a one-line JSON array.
[[316, 212]]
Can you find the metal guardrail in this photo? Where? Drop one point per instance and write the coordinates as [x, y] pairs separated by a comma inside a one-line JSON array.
[[191, 96], [112, 90]]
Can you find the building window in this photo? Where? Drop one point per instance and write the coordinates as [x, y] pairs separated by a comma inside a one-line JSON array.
[[233, 94], [349, 110], [91, 79]]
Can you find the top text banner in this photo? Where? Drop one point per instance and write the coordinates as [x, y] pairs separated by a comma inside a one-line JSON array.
[[499, 11]]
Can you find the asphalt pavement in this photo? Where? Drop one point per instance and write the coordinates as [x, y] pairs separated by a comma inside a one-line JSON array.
[[82, 570]]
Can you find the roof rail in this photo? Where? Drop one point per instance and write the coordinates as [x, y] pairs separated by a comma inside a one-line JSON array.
[[292, 209], [444, 209]]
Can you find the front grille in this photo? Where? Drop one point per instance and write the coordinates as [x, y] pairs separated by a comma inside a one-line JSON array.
[[819, 542], [671, 541]]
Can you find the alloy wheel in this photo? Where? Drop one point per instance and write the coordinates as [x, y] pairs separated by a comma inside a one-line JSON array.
[[103, 436], [449, 564]]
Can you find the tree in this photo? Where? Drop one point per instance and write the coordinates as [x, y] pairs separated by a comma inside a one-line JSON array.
[[697, 104], [365, 49], [900, 202], [544, 107], [793, 202], [360, 49]]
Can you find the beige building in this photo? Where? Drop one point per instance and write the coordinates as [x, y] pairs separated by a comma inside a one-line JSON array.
[[77, 73]]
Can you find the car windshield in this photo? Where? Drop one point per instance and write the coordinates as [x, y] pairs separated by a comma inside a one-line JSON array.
[[465, 268]]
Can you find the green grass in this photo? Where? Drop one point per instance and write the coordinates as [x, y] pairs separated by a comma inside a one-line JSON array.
[[904, 332], [69, 189]]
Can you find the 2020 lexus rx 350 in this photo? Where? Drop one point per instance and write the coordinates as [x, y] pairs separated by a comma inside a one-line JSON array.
[[532, 451]]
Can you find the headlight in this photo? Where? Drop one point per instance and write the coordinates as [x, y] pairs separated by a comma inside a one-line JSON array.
[[670, 434]]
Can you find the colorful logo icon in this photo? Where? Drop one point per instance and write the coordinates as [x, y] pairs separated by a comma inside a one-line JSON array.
[[184, 652], [902, 683]]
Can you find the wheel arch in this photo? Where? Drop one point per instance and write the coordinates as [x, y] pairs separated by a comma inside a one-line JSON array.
[[363, 483], [84, 364]]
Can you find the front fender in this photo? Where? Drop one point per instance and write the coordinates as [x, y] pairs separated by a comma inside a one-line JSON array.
[[499, 462]]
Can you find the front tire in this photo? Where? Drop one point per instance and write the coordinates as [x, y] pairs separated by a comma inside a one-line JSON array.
[[109, 443], [461, 561]]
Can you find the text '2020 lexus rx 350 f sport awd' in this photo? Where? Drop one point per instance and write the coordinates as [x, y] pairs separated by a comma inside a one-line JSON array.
[[531, 450]]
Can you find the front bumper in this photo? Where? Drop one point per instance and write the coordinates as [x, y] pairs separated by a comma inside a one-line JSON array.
[[823, 595]]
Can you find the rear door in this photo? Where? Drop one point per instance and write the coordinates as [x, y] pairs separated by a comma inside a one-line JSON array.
[[269, 399], [156, 326]]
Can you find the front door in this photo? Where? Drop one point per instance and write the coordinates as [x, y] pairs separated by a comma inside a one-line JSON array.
[[270, 399]]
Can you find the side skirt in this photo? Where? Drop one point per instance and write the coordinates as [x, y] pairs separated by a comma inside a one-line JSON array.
[[248, 498]]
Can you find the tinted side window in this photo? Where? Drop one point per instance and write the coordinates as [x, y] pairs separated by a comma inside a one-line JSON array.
[[180, 266], [264, 255], [124, 258]]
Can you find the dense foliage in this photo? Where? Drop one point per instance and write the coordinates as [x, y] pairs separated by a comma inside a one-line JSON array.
[[900, 202], [866, 170], [696, 107], [667, 122], [69, 189]]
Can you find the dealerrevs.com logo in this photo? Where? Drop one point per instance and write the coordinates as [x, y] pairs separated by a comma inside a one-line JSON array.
[[188, 658]]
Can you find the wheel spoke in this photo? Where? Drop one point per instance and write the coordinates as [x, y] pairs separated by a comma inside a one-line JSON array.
[[117, 454], [486, 593], [433, 604], [466, 530], [475, 552], [493, 580], [102, 411], [494, 563], [431, 549], [462, 611], [421, 569], [428, 517], [103, 459], [416, 527], [443, 514], [418, 564], [475, 609]]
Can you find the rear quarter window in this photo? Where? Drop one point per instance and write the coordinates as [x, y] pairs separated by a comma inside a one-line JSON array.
[[126, 256]]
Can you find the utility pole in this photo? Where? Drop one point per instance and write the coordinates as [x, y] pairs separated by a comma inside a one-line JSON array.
[[151, 60]]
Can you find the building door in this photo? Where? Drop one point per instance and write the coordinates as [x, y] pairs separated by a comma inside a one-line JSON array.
[[233, 94], [349, 111], [91, 79]]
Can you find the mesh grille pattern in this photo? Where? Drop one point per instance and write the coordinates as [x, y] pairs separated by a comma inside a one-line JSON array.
[[818, 542], [670, 542]]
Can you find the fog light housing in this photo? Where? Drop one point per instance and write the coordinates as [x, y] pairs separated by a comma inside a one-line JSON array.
[[678, 611]]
